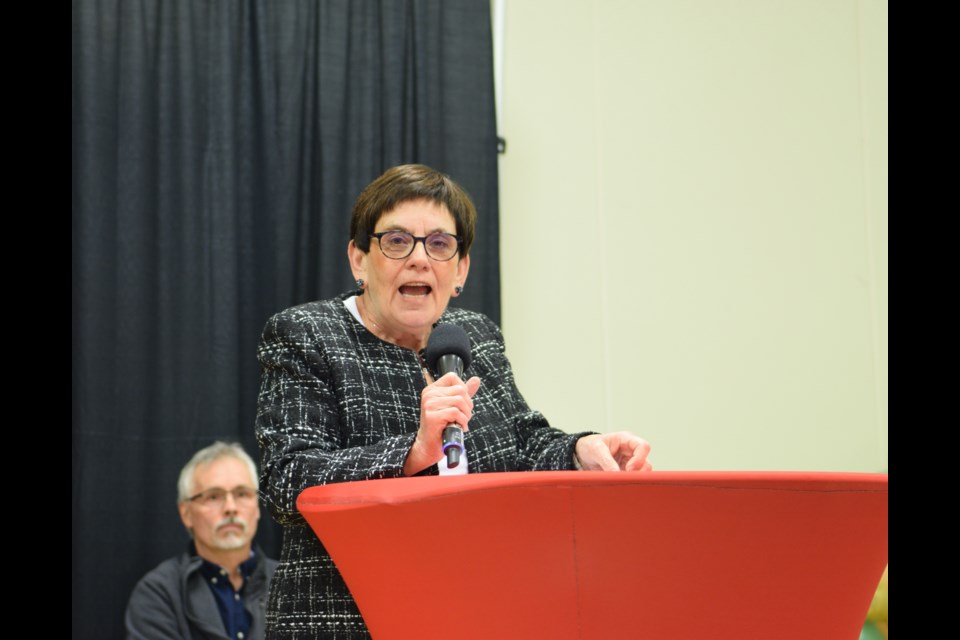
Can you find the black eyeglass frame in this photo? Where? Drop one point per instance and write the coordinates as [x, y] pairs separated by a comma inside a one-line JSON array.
[[416, 239]]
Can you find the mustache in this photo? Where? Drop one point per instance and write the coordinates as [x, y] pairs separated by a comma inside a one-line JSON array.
[[232, 520]]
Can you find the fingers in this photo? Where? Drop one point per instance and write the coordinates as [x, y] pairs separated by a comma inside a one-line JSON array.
[[631, 451], [636, 465], [446, 380], [473, 384], [449, 400], [594, 454], [439, 412], [620, 451], [605, 460]]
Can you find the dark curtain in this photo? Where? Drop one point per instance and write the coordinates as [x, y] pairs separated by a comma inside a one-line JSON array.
[[218, 146]]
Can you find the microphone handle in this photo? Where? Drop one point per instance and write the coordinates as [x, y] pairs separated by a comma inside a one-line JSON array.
[[450, 362], [452, 444]]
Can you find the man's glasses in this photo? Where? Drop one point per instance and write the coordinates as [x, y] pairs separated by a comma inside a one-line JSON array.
[[400, 244], [216, 497]]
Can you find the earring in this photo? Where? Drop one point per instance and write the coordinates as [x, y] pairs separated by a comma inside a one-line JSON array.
[[458, 289], [360, 283]]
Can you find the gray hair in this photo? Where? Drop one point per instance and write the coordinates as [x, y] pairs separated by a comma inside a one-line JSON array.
[[207, 455]]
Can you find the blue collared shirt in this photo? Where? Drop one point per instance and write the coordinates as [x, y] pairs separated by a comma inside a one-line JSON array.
[[236, 618]]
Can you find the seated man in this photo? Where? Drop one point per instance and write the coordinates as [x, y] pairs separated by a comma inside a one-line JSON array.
[[218, 587]]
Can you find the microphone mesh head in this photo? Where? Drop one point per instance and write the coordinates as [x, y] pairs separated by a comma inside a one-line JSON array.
[[447, 339]]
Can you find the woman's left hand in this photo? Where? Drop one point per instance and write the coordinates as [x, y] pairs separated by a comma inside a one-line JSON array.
[[621, 451]]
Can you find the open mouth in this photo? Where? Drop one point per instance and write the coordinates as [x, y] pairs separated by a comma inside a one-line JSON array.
[[415, 289]]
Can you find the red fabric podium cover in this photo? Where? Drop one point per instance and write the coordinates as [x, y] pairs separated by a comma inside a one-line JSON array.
[[592, 555]]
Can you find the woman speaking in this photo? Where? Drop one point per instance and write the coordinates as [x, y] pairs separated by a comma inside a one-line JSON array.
[[346, 392]]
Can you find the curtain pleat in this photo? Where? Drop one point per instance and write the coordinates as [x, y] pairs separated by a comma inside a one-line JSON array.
[[218, 146]]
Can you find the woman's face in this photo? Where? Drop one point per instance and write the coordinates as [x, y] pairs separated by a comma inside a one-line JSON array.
[[404, 298]]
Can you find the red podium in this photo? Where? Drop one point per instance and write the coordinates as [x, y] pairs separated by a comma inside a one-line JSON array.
[[591, 555]]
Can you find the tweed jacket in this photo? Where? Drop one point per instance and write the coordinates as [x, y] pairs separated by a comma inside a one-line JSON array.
[[338, 404], [174, 602]]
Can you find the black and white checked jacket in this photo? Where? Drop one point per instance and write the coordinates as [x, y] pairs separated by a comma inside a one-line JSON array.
[[338, 404]]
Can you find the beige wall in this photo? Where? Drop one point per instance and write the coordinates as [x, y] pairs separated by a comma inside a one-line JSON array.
[[694, 225]]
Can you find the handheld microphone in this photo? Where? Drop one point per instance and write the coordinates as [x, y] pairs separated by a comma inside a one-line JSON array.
[[448, 349]]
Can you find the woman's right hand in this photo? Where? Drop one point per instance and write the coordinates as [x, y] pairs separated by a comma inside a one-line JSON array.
[[448, 400]]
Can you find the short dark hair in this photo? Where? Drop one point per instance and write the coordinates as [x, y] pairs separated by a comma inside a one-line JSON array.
[[407, 182]]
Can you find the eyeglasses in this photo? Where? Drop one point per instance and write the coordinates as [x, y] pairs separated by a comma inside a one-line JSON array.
[[400, 244], [216, 497]]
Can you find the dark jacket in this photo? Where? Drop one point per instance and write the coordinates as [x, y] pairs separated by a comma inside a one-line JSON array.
[[337, 404], [174, 601]]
